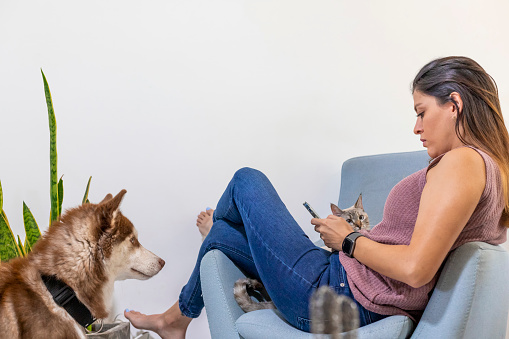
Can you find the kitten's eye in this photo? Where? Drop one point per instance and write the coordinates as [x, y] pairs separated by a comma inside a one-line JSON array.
[[361, 217], [349, 221]]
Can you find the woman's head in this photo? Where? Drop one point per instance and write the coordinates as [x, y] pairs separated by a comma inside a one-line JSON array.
[[436, 123], [461, 86]]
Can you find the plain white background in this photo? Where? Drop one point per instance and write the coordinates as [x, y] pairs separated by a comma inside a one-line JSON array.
[[168, 98]]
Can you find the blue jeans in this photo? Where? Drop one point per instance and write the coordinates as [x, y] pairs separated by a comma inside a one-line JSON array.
[[253, 228]]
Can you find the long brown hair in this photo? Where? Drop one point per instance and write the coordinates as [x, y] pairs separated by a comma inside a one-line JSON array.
[[480, 121]]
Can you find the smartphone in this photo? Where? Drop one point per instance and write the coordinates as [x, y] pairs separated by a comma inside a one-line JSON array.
[[311, 210]]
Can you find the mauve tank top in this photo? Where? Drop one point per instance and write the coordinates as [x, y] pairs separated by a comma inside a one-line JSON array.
[[384, 295]]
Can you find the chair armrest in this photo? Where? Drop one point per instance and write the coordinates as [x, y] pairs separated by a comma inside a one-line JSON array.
[[218, 274]]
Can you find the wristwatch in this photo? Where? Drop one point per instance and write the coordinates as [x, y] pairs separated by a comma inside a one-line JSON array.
[[349, 243]]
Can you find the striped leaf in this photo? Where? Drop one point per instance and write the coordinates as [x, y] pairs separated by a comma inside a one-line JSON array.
[[53, 152], [21, 248], [85, 197], [33, 233], [28, 248], [60, 194], [8, 247]]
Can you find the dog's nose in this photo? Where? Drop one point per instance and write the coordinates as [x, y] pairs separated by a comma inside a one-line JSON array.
[[161, 262]]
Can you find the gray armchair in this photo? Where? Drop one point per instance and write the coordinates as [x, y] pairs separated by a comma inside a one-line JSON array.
[[470, 300]]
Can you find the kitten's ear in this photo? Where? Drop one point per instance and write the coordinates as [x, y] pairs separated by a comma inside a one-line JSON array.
[[358, 203], [335, 210]]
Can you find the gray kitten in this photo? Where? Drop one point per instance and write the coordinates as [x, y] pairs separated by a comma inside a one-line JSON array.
[[355, 215], [246, 288]]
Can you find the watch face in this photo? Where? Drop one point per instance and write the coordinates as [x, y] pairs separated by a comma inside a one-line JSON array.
[[347, 246]]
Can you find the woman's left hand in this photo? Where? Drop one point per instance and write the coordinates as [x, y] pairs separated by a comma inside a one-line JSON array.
[[333, 230]]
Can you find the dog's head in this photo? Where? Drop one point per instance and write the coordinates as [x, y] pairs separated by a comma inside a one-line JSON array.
[[124, 256]]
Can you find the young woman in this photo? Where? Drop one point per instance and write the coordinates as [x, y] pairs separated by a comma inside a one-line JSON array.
[[461, 196]]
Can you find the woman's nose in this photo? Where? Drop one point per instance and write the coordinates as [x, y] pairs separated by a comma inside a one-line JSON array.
[[418, 126]]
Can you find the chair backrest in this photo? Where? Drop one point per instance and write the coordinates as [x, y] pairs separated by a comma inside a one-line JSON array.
[[374, 176], [471, 298]]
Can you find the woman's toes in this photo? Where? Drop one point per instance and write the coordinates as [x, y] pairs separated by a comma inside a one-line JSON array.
[[204, 222]]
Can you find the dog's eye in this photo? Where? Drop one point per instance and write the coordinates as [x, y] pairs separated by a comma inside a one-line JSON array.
[[134, 241]]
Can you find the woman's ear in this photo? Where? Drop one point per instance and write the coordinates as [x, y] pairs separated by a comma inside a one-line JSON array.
[[456, 98]]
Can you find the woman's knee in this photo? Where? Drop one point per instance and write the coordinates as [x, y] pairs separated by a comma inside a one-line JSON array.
[[250, 175]]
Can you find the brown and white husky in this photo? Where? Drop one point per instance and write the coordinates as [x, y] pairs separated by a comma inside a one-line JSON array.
[[89, 248]]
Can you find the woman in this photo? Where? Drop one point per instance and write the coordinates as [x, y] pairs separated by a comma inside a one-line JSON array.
[[461, 196]]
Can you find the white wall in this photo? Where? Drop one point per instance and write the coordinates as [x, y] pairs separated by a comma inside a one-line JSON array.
[[168, 98]]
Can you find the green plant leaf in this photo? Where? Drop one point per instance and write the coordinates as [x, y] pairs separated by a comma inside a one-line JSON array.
[[85, 197], [8, 247], [53, 151], [28, 248], [21, 248], [60, 194], [33, 233]]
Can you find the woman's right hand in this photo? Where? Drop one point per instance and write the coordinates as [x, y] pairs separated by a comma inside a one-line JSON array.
[[333, 230]]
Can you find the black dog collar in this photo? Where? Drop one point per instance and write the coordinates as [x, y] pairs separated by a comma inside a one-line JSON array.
[[65, 297]]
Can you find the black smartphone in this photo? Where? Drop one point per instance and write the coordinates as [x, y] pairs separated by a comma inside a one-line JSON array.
[[311, 210]]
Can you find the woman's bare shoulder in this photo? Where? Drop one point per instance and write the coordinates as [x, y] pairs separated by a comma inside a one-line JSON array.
[[462, 162]]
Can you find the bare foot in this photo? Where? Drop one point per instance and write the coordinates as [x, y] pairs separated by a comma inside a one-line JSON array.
[[169, 325], [204, 222]]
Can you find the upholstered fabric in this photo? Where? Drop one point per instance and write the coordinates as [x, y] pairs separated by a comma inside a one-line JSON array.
[[268, 324], [471, 298]]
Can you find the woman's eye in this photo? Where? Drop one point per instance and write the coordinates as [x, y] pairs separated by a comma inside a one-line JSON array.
[[420, 115]]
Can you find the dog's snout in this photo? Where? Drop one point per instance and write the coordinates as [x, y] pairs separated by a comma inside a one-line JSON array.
[[161, 262]]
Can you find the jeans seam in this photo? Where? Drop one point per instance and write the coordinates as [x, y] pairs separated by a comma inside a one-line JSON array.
[[273, 253], [219, 246], [185, 310]]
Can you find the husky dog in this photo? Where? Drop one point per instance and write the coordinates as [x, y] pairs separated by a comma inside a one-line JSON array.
[[79, 257]]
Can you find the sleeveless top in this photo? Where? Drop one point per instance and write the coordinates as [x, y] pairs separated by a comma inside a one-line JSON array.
[[387, 296]]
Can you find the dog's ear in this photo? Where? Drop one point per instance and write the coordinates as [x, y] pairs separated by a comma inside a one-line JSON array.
[[106, 198], [110, 203], [109, 210]]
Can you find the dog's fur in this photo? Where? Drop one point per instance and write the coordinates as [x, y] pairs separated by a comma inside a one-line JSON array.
[[89, 248]]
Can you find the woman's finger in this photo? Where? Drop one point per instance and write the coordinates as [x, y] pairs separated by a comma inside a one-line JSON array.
[[316, 221]]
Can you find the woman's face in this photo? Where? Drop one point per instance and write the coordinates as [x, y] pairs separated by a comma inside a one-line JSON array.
[[435, 124]]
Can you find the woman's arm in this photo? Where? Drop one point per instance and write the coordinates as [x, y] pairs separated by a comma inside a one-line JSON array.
[[452, 191]]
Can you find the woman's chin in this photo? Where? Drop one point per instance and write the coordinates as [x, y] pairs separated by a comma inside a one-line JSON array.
[[432, 153]]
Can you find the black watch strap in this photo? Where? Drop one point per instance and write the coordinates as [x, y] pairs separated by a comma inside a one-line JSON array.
[[349, 243]]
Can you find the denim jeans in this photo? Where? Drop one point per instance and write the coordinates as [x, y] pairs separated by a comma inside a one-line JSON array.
[[254, 229]]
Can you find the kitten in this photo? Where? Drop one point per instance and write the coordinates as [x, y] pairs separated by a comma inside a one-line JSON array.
[[355, 215], [245, 288]]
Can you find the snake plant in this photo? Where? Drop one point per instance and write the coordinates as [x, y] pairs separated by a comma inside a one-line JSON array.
[[9, 246]]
